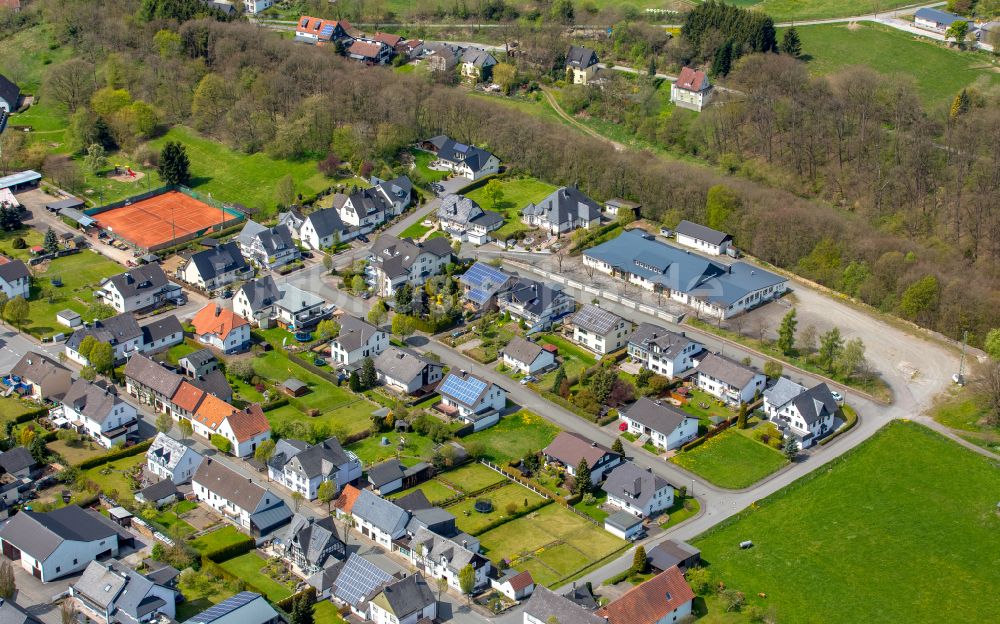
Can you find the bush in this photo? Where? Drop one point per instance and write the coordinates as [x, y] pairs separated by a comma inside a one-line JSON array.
[[221, 443], [230, 551]]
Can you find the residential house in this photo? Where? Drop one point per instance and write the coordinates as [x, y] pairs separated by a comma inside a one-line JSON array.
[[613, 207], [471, 399], [805, 415], [19, 463], [568, 449], [15, 278], [564, 210], [302, 467], [464, 220], [389, 39], [345, 502], [169, 459], [623, 524], [378, 519], [39, 377], [702, 238], [198, 363], [161, 334], [216, 268], [528, 357], [363, 210], [412, 48], [309, 543], [10, 611], [391, 476], [667, 426], [243, 608], [245, 428], [222, 6], [513, 584], [467, 161], [600, 330], [691, 90], [717, 290], [369, 51], [637, 490], [222, 329], [407, 371], [267, 248], [122, 332], [293, 219], [320, 31], [150, 383], [258, 510], [352, 583], [546, 606], [670, 553], [663, 599], [263, 303], [478, 64], [434, 519], [139, 288], [57, 543], [936, 20], [253, 7], [581, 64], [159, 494], [395, 262], [442, 57], [96, 410], [662, 351], [356, 341], [730, 381], [10, 93], [538, 304], [442, 557], [407, 601], [482, 283], [322, 229], [113, 593]]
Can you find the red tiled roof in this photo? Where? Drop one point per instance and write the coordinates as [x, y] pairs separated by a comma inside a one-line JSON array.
[[650, 602], [248, 422], [389, 39], [212, 411], [691, 79], [366, 49], [348, 495], [188, 397], [521, 581], [214, 319], [551, 348]]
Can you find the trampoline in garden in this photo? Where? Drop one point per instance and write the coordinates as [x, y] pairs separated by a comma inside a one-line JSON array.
[[484, 505]]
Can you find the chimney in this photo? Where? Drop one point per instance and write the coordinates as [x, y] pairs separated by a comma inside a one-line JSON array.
[[636, 486], [218, 310]]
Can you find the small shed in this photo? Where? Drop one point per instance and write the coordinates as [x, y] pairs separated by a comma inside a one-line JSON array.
[[160, 493], [83, 220], [69, 318], [623, 524], [120, 516], [294, 387], [62, 204]]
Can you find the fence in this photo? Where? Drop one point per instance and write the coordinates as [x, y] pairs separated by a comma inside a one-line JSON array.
[[531, 486]]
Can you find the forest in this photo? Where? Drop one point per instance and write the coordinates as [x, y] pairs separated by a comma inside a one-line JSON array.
[[848, 181]]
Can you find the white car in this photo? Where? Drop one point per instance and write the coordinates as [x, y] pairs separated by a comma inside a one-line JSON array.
[[838, 397]]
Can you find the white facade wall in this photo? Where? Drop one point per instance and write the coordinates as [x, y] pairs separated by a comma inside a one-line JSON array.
[[376, 343], [662, 499], [69, 557], [602, 345], [731, 394], [702, 245], [181, 472], [378, 615], [120, 414], [20, 287], [543, 361], [685, 432]]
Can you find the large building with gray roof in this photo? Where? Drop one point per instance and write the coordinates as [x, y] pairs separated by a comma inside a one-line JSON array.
[[356, 341], [396, 261], [564, 210], [138, 288], [113, 593], [379, 519], [714, 289], [546, 606]]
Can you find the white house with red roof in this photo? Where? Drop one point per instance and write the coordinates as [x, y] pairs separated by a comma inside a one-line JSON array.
[[370, 51], [692, 89], [513, 584], [662, 599], [221, 328]]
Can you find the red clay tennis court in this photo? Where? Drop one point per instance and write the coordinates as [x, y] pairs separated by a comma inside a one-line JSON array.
[[161, 220]]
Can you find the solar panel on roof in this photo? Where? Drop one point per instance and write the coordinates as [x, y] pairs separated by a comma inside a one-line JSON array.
[[358, 578], [225, 607], [483, 275], [464, 390], [327, 31]]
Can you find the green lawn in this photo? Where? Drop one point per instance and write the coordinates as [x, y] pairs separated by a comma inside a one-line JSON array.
[[80, 274], [75, 454], [940, 73], [12, 407], [176, 352], [731, 460], [434, 490], [422, 173], [417, 230], [517, 193], [569, 349], [905, 525], [218, 538], [512, 495], [472, 477], [788, 10], [594, 510], [326, 612], [206, 591], [232, 176], [248, 568], [171, 520], [514, 436], [697, 398], [111, 476], [31, 238], [416, 448], [964, 410], [29, 49]]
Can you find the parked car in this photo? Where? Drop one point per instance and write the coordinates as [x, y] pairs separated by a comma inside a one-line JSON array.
[[838, 397]]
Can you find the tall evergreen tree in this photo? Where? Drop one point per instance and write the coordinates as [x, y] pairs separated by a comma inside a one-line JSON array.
[[786, 332], [51, 243], [618, 447], [723, 60], [791, 44], [582, 478], [174, 164], [369, 376], [639, 561]]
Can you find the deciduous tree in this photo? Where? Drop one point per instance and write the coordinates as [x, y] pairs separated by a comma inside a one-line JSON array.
[[326, 492], [263, 454], [164, 422], [830, 346], [185, 426], [16, 311], [8, 584], [467, 580]]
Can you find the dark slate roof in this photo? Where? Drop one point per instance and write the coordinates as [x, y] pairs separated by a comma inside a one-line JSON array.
[[368, 201], [522, 350], [581, 57], [783, 391], [158, 491], [669, 553], [215, 383], [659, 340], [138, 279], [160, 573], [458, 208], [396, 256], [596, 319], [725, 369], [401, 187], [582, 595], [36, 367], [13, 271], [261, 292], [565, 205], [39, 534], [408, 595], [936, 15], [569, 448], [545, 604], [630, 482], [218, 260], [354, 332], [9, 91], [453, 151], [488, 219], [16, 459], [815, 404], [478, 57], [701, 232], [95, 400], [322, 459], [413, 501], [114, 330], [380, 513], [386, 472], [314, 537], [221, 480], [533, 296], [326, 222], [661, 417], [150, 374], [161, 328], [402, 364], [199, 358]]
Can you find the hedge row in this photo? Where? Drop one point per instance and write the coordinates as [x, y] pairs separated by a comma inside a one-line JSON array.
[[434, 327], [591, 237], [230, 551], [113, 455], [32, 415], [275, 404], [618, 578], [287, 603], [558, 400]]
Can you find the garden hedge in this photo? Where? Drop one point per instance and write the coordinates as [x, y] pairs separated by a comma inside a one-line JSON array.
[[852, 419], [32, 415], [287, 603], [113, 455], [230, 551], [275, 404]]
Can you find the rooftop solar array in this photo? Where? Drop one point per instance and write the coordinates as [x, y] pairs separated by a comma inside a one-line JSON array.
[[465, 390], [595, 319], [224, 608], [482, 280], [358, 579], [327, 31]]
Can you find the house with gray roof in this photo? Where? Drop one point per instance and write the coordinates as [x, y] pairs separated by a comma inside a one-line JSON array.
[[363, 209], [467, 161], [667, 426], [12, 613], [936, 20], [546, 606], [407, 371], [40, 377], [303, 467], [19, 463], [465, 220], [662, 351], [243, 608], [353, 583], [356, 341], [257, 510], [406, 601], [564, 210], [637, 490], [481, 284], [397, 191], [170, 459], [10, 93], [805, 415], [216, 267], [262, 302], [267, 247], [378, 519], [600, 330], [95, 409], [139, 288], [539, 304], [527, 357], [702, 238], [151, 383], [478, 64], [159, 494], [161, 334], [322, 229], [670, 553], [568, 449], [714, 289], [581, 64], [15, 278], [122, 332], [471, 399], [780, 395], [728, 380], [391, 476], [443, 557], [57, 543], [396, 261], [198, 363], [113, 593], [309, 543]]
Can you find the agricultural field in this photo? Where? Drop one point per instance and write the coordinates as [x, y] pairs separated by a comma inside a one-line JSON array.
[[791, 10], [939, 73], [865, 527], [731, 460], [514, 436], [517, 193]]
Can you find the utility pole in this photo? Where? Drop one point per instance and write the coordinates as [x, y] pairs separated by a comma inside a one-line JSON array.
[[961, 362]]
